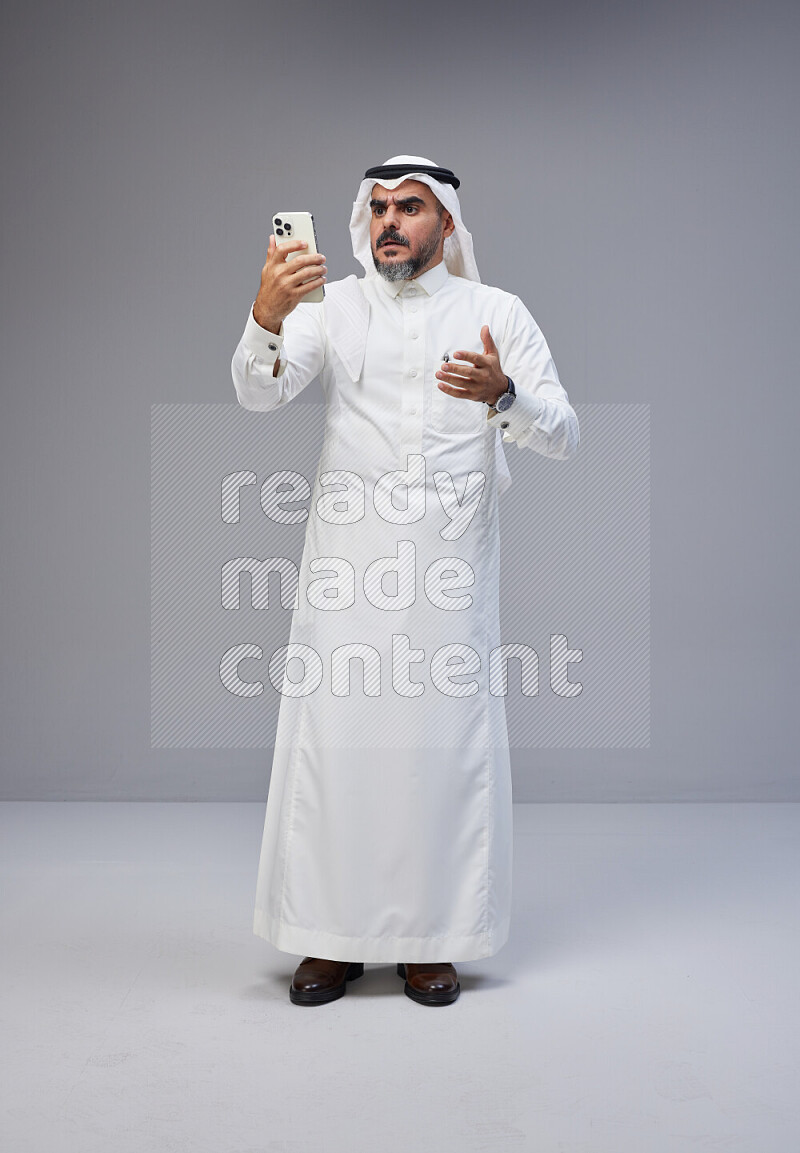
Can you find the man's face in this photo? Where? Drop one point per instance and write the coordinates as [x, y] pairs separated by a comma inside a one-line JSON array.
[[407, 230]]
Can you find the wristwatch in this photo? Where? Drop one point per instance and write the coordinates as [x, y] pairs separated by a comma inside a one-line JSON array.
[[506, 399]]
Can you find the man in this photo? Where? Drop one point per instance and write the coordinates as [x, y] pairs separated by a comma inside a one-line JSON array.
[[388, 827]]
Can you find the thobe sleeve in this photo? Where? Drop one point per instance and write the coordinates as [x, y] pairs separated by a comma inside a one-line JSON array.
[[300, 346], [541, 417]]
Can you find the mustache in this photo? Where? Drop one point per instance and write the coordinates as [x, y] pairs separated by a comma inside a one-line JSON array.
[[389, 236]]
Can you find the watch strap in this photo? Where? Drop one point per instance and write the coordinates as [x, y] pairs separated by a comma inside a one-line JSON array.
[[510, 391]]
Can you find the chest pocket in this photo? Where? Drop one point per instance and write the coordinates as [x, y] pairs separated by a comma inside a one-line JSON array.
[[455, 414]]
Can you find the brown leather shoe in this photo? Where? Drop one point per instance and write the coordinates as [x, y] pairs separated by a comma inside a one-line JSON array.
[[316, 980], [432, 983]]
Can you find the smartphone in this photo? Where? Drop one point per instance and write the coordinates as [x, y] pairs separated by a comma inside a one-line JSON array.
[[299, 226]]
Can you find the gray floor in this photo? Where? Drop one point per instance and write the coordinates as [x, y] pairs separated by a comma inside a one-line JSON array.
[[646, 1000]]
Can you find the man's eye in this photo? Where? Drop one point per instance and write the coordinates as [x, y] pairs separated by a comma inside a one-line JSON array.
[[411, 208]]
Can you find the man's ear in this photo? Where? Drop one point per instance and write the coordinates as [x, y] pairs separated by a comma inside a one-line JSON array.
[[449, 225]]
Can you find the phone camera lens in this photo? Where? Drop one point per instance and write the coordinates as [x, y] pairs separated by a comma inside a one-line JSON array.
[[277, 221], [288, 228], [279, 231]]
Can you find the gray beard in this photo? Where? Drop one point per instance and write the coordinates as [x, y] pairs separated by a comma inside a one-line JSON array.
[[407, 269], [399, 270]]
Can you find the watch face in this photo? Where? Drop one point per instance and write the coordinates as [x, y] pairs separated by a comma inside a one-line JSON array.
[[505, 401]]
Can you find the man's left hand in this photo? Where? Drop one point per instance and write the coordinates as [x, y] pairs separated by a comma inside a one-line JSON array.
[[480, 379]]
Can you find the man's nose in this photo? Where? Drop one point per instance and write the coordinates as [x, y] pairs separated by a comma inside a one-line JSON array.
[[392, 217]]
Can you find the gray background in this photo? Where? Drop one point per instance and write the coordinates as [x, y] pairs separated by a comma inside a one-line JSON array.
[[630, 170]]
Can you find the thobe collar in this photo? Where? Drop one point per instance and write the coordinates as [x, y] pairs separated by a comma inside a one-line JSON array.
[[429, 281], [347, 311]]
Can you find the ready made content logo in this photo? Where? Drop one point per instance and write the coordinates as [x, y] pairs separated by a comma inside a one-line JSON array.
[[375, 596]]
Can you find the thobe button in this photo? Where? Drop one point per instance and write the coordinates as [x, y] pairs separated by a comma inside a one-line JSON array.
[[411, 292], [413, 372], [414, 335], [504, 424], [414, 308], [272, 347], [413, 412]]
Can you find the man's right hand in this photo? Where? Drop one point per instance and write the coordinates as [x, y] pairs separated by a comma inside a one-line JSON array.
[[282, 286]]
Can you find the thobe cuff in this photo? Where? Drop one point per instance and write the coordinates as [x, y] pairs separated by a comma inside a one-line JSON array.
[[264, 344], [518, 419]]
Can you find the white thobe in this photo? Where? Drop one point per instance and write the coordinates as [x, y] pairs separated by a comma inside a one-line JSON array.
[[388, 829]]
